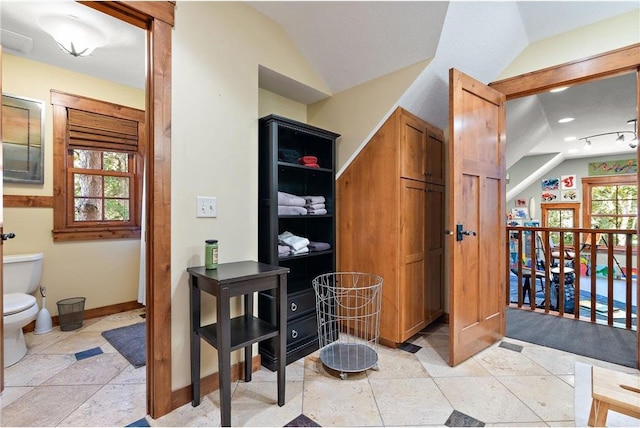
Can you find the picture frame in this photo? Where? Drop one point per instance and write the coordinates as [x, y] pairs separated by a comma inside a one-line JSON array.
[[521, 203], [22, 139]]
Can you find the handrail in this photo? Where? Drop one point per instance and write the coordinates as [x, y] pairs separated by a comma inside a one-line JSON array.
[[532, 264]]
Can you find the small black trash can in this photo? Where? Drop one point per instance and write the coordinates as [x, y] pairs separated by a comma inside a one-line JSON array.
[[71, 313]]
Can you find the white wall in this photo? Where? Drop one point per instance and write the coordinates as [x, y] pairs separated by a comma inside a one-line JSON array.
[[217, 47]]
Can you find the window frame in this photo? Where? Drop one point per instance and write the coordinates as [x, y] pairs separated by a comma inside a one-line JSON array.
[[561, 206], [65, 227], [612, 180]]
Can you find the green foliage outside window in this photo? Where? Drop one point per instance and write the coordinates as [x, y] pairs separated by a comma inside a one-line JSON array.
[[615, 207], [101, 193]]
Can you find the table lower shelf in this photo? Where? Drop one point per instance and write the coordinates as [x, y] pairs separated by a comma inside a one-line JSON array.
[[245, 330]]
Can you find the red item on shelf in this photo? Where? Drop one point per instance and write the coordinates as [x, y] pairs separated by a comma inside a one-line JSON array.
[[306, 160]]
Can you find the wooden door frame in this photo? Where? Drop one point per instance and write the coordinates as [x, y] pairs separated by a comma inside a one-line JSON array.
[[584, 70], [157, 18]]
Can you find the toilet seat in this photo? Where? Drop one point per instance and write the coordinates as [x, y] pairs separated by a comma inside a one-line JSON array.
[[17, 302]]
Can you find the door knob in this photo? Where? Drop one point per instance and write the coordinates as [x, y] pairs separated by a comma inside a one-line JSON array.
[[9, 235], [469, 233], [449, 232]]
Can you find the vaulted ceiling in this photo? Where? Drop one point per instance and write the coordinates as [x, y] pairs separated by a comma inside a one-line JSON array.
[[350, 42]]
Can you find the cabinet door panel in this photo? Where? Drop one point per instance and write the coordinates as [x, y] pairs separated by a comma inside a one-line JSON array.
[[413, 134], [435, 156], [412, 242], [434, 264]]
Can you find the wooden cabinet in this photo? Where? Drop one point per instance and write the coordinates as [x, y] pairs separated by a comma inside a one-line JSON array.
[[391, 222], [282, 143]]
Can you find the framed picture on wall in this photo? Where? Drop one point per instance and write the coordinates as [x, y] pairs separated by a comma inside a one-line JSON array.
[[568, 182], [550, 184], [23, 139], [521, 203]]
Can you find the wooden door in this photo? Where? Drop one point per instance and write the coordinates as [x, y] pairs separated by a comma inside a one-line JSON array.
[[412, 244], [413, 142], [476, 208]]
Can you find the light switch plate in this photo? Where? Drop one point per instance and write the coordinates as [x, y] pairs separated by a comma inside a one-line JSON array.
[[206, 206]]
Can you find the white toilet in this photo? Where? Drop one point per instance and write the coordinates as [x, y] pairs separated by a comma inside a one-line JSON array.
[[21, 277]]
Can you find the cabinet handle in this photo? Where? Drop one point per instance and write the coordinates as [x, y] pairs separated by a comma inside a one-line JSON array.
[[294, 334], [294, 307]]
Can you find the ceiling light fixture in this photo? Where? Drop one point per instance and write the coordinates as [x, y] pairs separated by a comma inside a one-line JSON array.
[[565, 120], [560, 89], [73, 35], [620, 136]]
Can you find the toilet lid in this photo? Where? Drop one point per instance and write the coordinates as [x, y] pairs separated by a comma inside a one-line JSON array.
[[17, 302]]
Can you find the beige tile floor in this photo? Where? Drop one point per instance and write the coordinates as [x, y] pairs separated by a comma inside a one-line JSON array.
[[499, 387]]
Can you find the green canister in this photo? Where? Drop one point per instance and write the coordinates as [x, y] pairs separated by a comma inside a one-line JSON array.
[[211, 254]]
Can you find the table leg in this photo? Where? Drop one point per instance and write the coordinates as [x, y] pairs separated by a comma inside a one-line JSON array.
[[598, 413], [526, 289], [194, 309], [281, 353], [248, 350], [223, 325]]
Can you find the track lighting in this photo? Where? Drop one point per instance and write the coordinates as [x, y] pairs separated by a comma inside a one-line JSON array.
[[621, 137]]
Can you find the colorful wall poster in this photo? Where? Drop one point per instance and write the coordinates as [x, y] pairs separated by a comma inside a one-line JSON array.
[[521, 203], [615, 167], [568, 182], [549, 196], [519, 213], [568, 195], [550, 184]]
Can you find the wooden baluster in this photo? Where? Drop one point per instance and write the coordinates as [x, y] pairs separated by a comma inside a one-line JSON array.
[[576, 272], [610, 278], [594, 245], [628, 277]]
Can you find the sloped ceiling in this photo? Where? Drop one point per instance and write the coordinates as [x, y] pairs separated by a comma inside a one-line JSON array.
[[351, 42]]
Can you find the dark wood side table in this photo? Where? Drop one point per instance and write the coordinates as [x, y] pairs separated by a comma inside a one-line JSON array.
[[230, 334]]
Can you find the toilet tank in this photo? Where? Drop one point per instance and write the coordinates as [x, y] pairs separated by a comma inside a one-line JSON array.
[[22, 272]]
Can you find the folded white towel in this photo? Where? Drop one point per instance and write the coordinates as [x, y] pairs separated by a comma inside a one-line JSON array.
[[318, 212], [295, 242], [291, 200], [290, 210], [314, 199], [315, 206], [302, 250]]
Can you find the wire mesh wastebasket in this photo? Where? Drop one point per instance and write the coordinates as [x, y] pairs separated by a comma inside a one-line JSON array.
[[348, 306], [71, 313]]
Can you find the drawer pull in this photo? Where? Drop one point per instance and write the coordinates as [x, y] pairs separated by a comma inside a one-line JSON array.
[[294, 307], [294, 334]]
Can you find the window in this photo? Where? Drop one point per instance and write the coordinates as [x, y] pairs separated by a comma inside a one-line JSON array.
[[611, 203], [97, 169], [560, 215]]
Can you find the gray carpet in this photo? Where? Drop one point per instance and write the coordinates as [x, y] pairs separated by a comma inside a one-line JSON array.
[[611, 344], [130, 341]]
